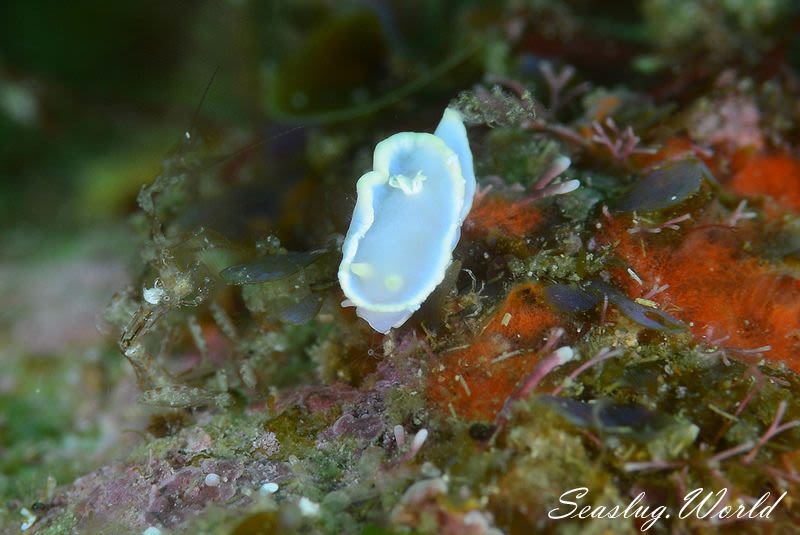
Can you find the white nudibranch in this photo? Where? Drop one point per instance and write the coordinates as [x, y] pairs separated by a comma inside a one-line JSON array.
[[407, 221]]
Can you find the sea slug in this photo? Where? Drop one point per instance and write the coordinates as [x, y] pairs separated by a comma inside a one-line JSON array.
[[407, 222]]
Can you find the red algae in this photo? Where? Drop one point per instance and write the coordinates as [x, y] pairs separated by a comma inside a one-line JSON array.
[[475, 381], [503, 217], [728, 124], [675, 148], [723, 294], [776, 176]]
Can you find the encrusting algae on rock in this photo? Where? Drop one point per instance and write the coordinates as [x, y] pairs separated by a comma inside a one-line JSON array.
[[598, 291], [475, 379]]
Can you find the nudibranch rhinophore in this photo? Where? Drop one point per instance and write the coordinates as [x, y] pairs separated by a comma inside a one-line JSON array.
[[407, 221]]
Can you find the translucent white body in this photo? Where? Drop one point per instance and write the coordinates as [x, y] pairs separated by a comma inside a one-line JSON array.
[[406, 222]]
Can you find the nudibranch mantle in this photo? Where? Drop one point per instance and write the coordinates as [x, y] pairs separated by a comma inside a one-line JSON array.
[[407, 221]]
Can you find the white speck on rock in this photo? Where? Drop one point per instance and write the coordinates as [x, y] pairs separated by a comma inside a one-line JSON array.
[[307, 507], [268, 488], [30, 519], [153, 295], [212, 480], [267, 443]]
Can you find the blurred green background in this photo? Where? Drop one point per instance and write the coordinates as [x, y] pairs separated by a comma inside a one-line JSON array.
[[93, 93], [89, 92]]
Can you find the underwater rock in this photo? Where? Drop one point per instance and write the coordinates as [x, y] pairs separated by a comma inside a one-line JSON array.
[[269, 268], [665, 187], [568, 298], [571, 299]]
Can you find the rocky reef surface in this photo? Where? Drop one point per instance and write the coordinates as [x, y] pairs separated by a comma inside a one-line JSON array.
[[640, 334]]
